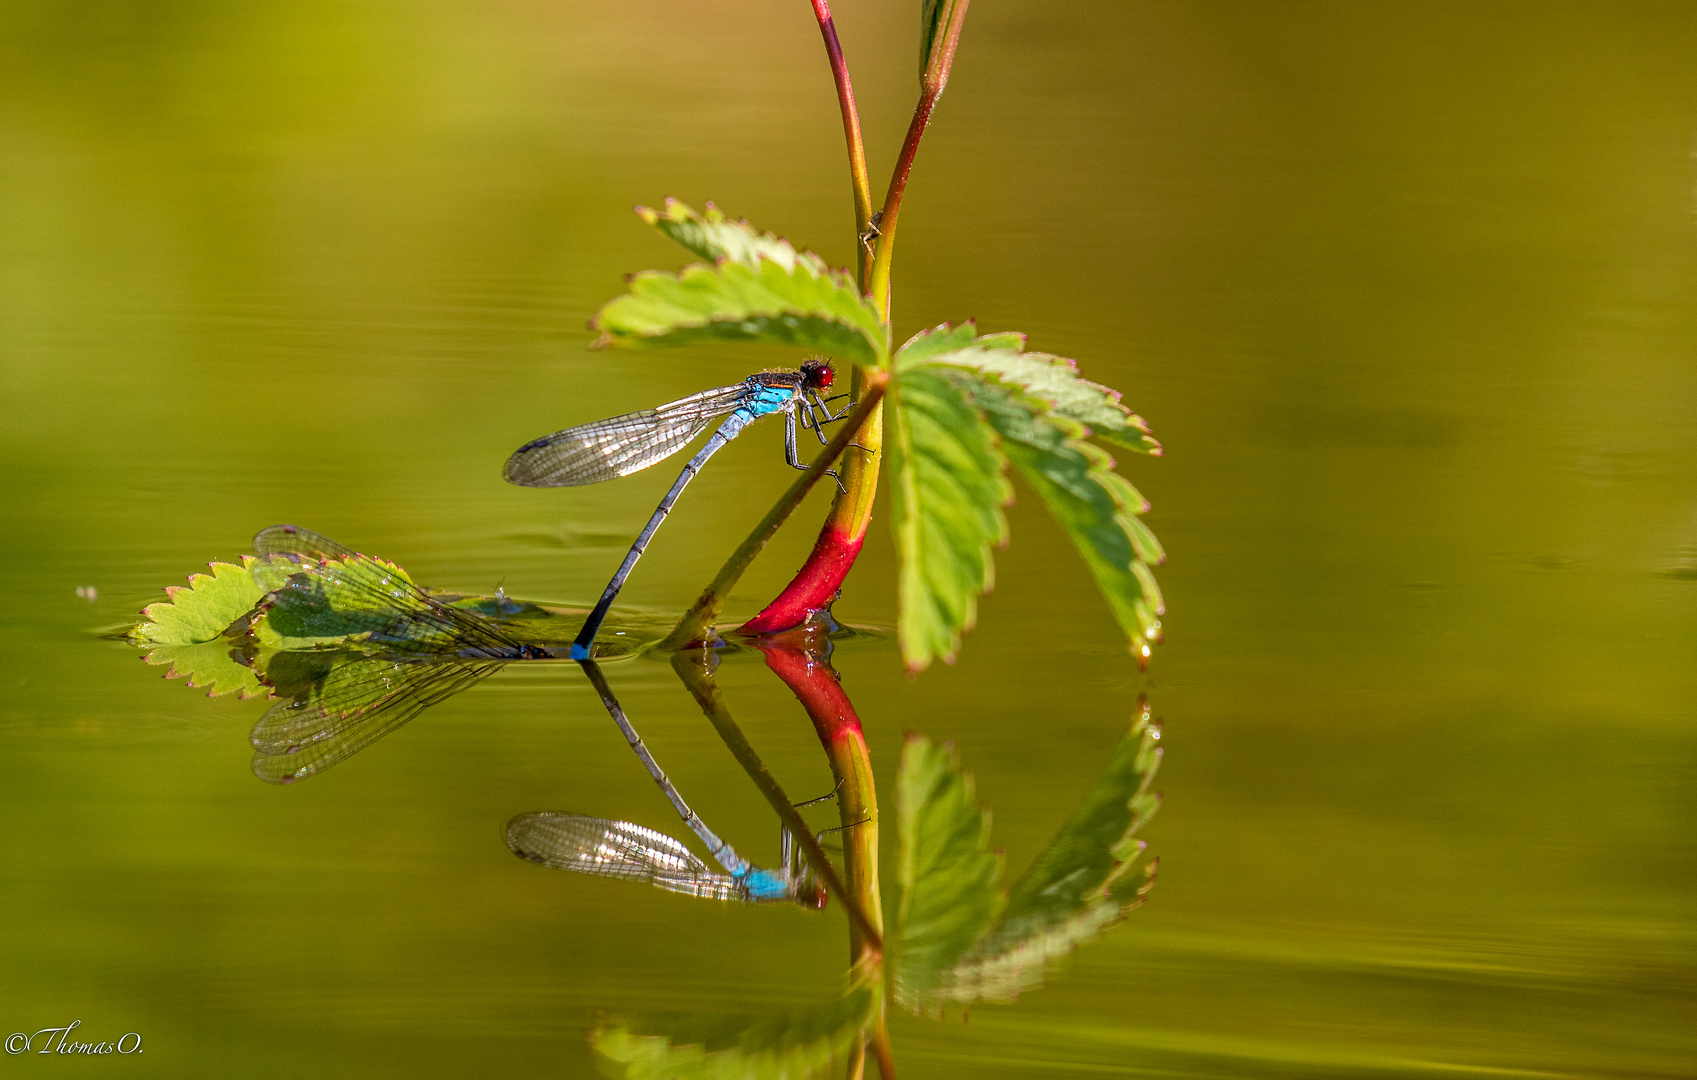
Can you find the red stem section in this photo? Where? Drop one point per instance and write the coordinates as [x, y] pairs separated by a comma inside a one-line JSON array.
[[815, 586]]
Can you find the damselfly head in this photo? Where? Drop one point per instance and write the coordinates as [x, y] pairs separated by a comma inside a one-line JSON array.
[[817, 374], [813, 895]]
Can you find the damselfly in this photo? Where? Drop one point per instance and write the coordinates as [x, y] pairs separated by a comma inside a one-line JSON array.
[[590, 453], [592, 845]]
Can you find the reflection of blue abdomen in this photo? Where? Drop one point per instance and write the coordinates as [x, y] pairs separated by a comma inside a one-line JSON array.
[[766, 885]]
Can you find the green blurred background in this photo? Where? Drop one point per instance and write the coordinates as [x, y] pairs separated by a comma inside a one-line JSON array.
[[1405, 289]]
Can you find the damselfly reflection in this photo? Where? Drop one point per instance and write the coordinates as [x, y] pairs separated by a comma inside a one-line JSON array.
[[591, 453], [623, 849], [592, 845]]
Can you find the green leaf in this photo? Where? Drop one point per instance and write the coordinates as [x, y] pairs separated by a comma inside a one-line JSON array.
[[717, 238], [946, 880], [760, 290], [946, 511], [202, 611], [185, 634], [1053, 380], [1083, 883], [1096, 506], [338, 602], [786, 1045]]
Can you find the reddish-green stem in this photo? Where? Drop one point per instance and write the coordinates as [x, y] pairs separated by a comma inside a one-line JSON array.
[[696, 626], [858, 178], [821, 577]]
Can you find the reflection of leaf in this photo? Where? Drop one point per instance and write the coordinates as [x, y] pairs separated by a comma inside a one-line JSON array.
[[213, 666], [946, 880], [962, 943], [946, 496], [355, 700], [202, 611], [760, 290], [1082, 884], [787, 1045]]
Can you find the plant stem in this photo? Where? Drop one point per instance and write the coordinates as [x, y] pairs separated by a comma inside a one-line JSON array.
[[931, 85], [697, 623], [699, 679], [851, 134]]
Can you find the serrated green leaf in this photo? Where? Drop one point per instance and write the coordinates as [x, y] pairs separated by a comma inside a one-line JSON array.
[[1097, 507], [1083, 883], [212, 666], [946, 887], [717, 238], [337, 602], [947, 496], [785, 1045], [1053, 380], [202, 611], [800, 303]]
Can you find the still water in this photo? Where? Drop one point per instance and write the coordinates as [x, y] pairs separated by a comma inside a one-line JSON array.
[[1405, 290]]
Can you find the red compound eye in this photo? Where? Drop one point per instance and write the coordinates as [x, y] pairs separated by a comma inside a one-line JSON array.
[[818, 374]]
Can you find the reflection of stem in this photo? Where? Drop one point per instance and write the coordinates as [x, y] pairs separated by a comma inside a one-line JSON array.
[[697, 622], [815, 685], [851, 133], [797, 659], [700, 682]]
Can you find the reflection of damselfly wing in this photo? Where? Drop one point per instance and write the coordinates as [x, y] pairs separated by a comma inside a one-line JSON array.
[[351, 706], [620, 849]]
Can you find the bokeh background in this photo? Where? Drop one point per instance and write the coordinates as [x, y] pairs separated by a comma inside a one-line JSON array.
[[1406, 289]]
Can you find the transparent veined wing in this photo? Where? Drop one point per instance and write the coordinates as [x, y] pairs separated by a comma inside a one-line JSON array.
[[292, 539], [621, 849], [353, 705], [621, 445], [374, 602]]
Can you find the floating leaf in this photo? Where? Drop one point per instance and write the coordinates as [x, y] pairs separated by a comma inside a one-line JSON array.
[[946, 510], [1083, 883], [1096, 506], [946, 879], [761, 291], [186, 633], [1053, 380], [717, 238], [787, 1045], [202, 611]]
